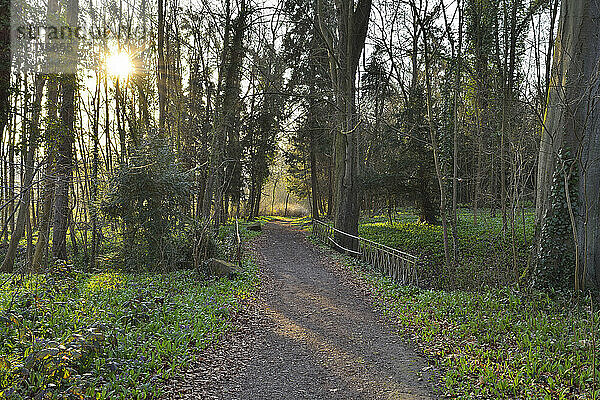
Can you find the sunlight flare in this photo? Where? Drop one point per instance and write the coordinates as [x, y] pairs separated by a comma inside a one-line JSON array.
[[119, 65]]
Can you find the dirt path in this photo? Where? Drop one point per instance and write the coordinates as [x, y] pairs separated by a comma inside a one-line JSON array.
[[313, 336]]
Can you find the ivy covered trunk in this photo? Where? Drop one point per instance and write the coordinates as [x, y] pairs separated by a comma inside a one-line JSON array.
[[568, 180]]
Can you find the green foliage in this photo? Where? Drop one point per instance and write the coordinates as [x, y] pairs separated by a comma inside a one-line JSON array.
[[556, 264], [68, 335], [311, 101], [400, 167], [484, 250], [147, 195], [499, 343]]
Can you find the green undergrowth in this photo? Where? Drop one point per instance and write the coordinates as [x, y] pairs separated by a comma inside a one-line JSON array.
[[74, 335], [486, 254], [295, 222], [498, 343]]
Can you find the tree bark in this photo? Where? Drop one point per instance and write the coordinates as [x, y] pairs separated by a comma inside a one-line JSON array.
[[572, 124], [313, 177], [48, 193], [64, 168], [434, 145], [5, 64], [64, 155], [229, 112], [351, 33], [25, 197], [161, 70]]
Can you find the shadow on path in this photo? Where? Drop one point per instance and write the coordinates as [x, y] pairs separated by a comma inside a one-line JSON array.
[[319, 338]]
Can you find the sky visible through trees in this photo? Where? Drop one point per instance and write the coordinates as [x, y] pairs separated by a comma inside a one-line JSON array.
[[146, 143]]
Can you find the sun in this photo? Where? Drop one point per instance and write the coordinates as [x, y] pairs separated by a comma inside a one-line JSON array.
[[119, 65]]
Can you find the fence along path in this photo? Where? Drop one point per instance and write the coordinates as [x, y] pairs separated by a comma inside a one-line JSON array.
[[400, 266]]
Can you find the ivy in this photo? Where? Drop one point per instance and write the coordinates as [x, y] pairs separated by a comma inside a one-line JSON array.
[[557, 249]]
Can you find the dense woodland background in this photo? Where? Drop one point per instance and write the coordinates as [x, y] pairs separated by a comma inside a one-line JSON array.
[[463, 132], [348, 108]]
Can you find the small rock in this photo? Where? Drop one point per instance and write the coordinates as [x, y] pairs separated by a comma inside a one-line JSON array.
[[222, 269], [256, 227]]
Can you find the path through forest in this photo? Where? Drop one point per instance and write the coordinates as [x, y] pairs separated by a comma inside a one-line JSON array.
[[311, 335]]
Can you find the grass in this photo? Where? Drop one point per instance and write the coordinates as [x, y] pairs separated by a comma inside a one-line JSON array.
[[485, 250], [499, 343], [110, 334], [301, 223], [496, 343]]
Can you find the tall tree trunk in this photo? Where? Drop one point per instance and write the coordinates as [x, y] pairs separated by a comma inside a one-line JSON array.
[[11, 179], [26, 184], [161, 69], [434, 145], [351, 33], [64, 168], [5, 64], [313, 177], [120, 123], [258, 200], [456, 132], [64, 155], [229, 111], [95, 165], [41, 245], [5, 70], [572, 125]]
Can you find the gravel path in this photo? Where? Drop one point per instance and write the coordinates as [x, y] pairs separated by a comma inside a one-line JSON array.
[[311, 335]]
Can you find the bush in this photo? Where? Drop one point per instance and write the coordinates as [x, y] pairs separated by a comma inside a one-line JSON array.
[[147, 195]]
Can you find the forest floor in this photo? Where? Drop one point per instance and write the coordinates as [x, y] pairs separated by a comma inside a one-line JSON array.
[[310, 334]]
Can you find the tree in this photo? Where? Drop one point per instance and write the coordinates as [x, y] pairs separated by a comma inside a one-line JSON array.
[[25, 198], [311, 86], [228, 110], [570, 145], [5, 63], [345, 49], [64, 154]]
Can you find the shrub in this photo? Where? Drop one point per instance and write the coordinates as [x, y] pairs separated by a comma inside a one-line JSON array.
[[146, 195]]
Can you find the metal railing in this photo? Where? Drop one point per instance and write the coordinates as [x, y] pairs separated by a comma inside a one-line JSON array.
[[400, 266]]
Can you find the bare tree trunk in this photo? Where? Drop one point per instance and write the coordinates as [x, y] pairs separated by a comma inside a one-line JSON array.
[[287, 198], [229, 113], [26, 184], [258, 199], [64, 155], [351, 33], [64, 169], [120, 127], [94, 183], [5, 64], [161, 73], [275, 182], [11, 180], [5, 70], [3, 185], [434, 145], [572, 125], [313, 178], [48, 192], [457, 85], [477, 188]]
